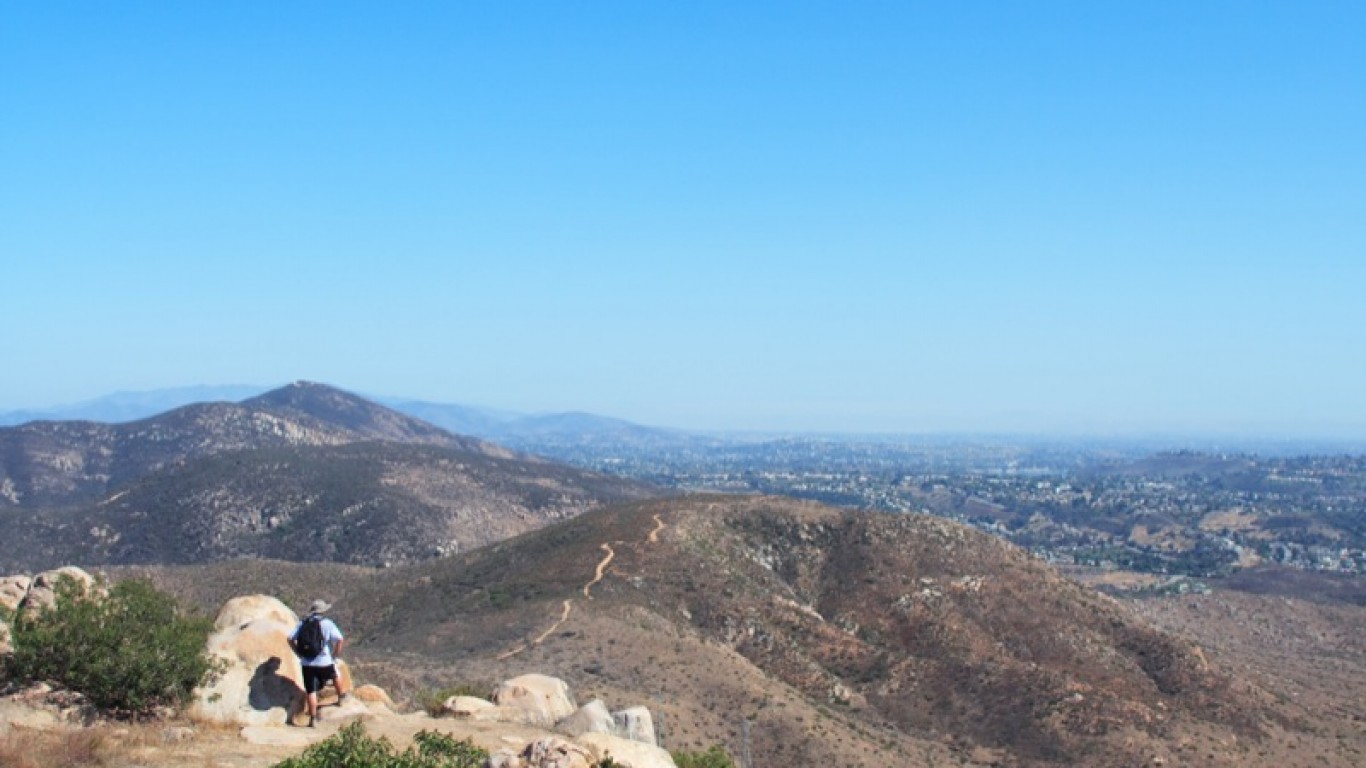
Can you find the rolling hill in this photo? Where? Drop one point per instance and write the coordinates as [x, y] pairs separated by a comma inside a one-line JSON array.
[[306, 472], [831, 637]]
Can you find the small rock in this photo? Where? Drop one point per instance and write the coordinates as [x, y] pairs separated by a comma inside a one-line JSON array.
[[373, 694], [554, 752], [505, 758], [177, 734]]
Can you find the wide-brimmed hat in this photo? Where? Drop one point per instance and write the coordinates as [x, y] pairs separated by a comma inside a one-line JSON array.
[[319, 606]]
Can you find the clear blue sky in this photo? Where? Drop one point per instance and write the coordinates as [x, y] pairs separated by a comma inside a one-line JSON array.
[[1071, 217]]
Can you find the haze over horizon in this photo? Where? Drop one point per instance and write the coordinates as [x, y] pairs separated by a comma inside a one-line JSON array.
[[1060, 219]]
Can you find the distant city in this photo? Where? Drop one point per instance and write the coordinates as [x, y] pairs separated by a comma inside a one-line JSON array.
[[1184, 513]]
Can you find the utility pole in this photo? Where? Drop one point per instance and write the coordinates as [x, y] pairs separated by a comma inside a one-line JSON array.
[[745, 760]]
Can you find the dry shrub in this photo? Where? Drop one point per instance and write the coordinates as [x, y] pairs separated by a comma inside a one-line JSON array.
[[66, 747]]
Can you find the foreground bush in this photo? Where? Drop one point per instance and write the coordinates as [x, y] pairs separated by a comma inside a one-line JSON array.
[[354, 748], [129, 652], [715, 757]]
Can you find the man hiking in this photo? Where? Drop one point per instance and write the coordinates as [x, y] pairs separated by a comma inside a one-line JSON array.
[[318, 643]]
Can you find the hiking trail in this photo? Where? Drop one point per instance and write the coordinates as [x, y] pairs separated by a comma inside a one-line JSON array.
[[602, 568], [598, 575]]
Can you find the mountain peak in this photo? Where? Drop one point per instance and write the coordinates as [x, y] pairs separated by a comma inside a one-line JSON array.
[[313, 401]]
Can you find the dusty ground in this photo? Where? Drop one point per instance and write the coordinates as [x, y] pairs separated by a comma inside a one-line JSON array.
[[116, 745], [1308, 656]]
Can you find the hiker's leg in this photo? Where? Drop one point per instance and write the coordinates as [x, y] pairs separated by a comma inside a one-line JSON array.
[[312, 682], [337, 683]]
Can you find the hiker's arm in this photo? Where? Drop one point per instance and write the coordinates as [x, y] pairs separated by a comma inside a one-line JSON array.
[[336, 650]]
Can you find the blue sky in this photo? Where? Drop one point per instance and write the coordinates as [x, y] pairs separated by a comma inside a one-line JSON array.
[[1067, 217]]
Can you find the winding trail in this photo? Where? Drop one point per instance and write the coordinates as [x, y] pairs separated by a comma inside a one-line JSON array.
[[598, 575], [602, 569]]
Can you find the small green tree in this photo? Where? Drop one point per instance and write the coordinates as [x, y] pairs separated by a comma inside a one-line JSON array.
[[128, 652], [714, 757]]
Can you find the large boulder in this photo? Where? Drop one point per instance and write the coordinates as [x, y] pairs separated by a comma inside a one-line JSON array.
[[248, 608], [624, 752], [592, 717], [13, 589], [545, 700], [636, 724], [469, 708], [42, 592], [261, 682], [479, 710], [5, 646]]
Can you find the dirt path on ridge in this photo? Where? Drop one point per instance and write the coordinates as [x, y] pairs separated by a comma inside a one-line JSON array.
[[602, 569], [598, 575]]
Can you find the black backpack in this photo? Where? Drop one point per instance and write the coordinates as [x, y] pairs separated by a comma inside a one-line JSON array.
[[309, 641]]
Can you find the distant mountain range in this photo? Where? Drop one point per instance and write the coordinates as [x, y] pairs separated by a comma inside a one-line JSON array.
[[518, 429], [305, 472], [130, 406]]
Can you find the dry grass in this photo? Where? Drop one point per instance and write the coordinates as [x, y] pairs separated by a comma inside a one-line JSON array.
[[53, 749]]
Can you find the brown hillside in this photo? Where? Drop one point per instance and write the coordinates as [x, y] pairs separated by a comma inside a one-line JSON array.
[[907, 624], [832, 637], [372, 503]]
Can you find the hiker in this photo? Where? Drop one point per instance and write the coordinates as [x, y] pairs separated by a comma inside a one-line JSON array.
[[318, 643]]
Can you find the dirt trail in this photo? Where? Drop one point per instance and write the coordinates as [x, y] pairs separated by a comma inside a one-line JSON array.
[[598, 575], [564, 616], [602, 569]]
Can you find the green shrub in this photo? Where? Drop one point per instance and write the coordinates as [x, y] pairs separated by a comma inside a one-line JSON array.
[[433, 700], [354, 748], [714, 757], [128, 652]]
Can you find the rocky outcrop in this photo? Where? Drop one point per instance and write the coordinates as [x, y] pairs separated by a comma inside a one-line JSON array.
[[550, 752], [259, 690], [42, 591], [13, 589], [636, 724], [22, 593], [624, 752], [545, 700], [248, 608], [262, 682], [593, 717]]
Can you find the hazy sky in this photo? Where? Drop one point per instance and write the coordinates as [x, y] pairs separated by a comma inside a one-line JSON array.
[[1063, 217]]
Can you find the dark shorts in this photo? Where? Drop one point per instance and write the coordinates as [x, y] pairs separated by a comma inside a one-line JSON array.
[[316, 677]]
